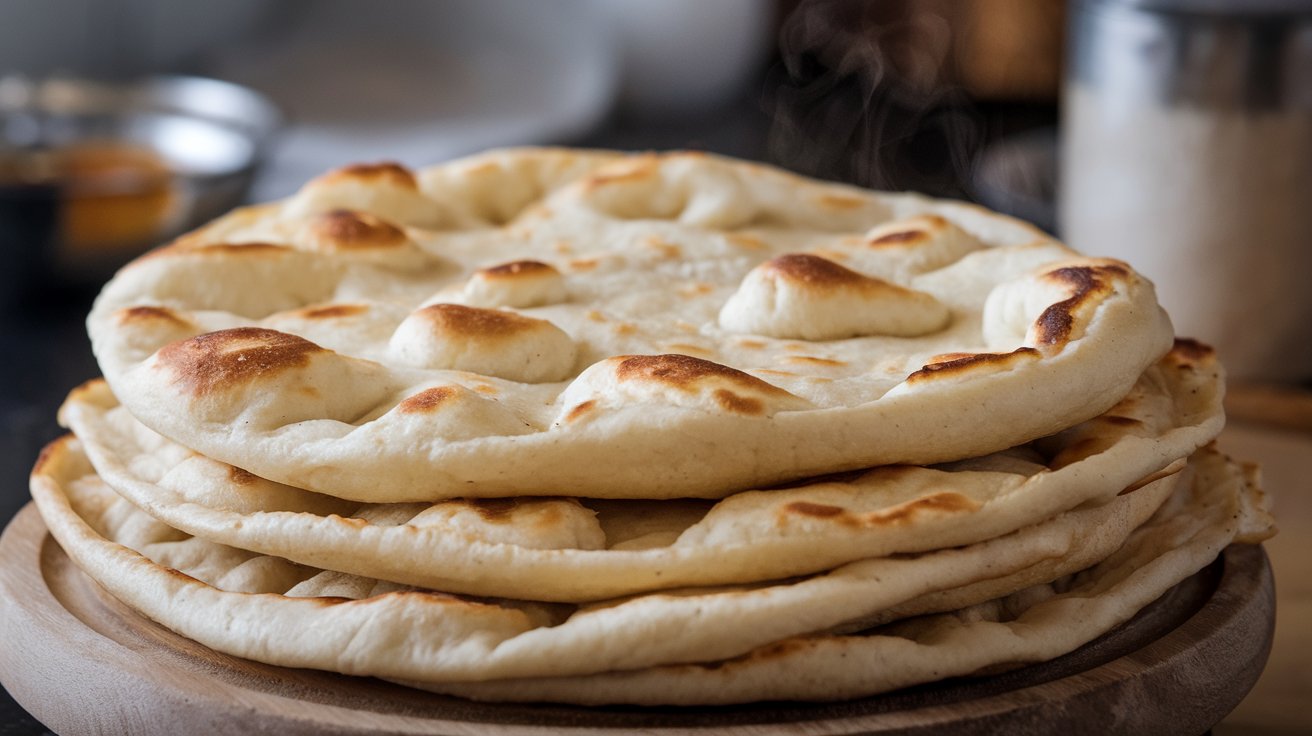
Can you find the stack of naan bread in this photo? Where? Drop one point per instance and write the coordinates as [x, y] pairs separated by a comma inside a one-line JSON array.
[[664, 429]]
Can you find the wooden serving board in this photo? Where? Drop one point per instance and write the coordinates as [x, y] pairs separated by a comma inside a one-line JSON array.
[[84, 663]]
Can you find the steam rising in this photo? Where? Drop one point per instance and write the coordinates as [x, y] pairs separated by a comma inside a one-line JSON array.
[[861, 97]]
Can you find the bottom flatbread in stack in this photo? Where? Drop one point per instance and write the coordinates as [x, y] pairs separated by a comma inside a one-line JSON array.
[[663, 648]]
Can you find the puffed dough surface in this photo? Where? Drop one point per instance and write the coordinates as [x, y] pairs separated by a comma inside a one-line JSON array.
[[548, 321]]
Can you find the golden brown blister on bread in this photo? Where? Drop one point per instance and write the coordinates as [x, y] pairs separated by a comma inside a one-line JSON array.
[[234, 372], [487, 341], [387, 190], [344, 230], [802, 296], [517, 284], [956, 364], [220, 360], [678, 380], [1087, 284], [904, 247]]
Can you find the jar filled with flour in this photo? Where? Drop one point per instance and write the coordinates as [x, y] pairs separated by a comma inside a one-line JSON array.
[[1187, 151]]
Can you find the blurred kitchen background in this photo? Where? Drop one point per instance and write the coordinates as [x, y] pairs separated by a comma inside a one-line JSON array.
[[1176, 134]]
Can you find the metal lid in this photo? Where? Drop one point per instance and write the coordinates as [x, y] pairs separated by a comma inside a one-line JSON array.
[[1217, 7]]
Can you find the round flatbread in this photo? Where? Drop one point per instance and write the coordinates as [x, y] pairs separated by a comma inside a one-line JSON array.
[[268, 609], [604, 325], [554, 549]]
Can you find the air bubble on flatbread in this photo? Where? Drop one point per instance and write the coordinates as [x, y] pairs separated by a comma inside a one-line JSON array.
[[811, 298], [387, 190], [516, 284], [488, 341], [677, 380]]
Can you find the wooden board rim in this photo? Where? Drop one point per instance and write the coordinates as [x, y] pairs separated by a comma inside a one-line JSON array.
[[76, 679]]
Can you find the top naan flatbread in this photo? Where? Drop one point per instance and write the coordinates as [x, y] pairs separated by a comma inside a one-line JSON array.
[[605, 325]]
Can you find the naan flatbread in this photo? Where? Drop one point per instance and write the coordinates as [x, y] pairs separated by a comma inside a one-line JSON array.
[[554, 549], [549, 322]]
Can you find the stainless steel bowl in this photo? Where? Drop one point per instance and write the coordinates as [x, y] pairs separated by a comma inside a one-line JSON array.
[[187, 151]]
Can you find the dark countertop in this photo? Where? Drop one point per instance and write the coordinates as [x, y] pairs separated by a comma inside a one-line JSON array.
[[43, 353]]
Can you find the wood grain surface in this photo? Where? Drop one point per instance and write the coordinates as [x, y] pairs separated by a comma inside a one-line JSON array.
[[1279, 704], [1269, 406], [83, 664]]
